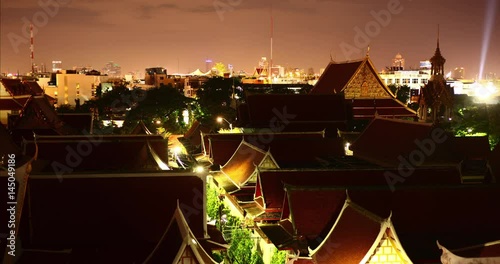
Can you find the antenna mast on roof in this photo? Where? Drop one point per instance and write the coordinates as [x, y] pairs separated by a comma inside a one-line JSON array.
[[32, 49], [272, 33]]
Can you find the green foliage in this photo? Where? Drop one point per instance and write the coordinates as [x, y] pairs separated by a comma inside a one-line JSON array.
[[164, 104], [470, 119], [214, 99], [214, 204], [241, 249], [65, 108], [279, 257], [402, 92]]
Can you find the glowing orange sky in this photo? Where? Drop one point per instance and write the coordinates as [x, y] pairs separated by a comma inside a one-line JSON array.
[[180, 35]]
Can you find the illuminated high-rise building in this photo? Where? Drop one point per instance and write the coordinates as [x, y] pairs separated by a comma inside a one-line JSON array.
[[56, 66], [398, 62], [458, 73]]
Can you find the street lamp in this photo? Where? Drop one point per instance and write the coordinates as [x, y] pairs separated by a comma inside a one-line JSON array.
[[220, 119]]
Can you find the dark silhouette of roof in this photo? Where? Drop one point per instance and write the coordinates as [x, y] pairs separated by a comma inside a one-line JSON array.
[[289, 149], [178, 241], [335, 77], [106, 218], [98, 153], [293, 112], [363, 88], [16, 87]]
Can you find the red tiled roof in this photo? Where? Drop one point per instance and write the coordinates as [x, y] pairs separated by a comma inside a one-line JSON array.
[[238, 170], [306, 146], [38, 113], [97, 152], [455, 215], [351, 238], [307, 219], [484, 250], [279, 112], [127, 212], [17, 87], [384, 140], [335, 77], [387, 107], [272, 181], [13, 103], [176, 240]]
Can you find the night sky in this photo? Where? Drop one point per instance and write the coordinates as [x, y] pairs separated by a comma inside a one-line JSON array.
[[181, 35]]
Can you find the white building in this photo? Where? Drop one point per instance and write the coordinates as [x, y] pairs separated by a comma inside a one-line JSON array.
[[69, 87], [412, 78]]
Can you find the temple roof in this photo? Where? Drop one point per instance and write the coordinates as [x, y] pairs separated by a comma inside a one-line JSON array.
[[294, 112], [355, 236], [271, 182], [360, 82], [16, 87], [38, 113], [384, 140], [129, 212], [336, 76], [192, 139], [13, 102], [176, 240], [240, 168], [306, 146], [483, 250], [141, 129], [98, 153], [348, 77]]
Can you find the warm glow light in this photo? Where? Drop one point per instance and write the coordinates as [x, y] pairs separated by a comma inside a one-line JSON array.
[[158, 122], [220, 119], [199, 169], [177, 150]]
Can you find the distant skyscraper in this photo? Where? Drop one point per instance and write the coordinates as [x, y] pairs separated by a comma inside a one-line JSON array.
[[56, 66], [398, 62], [425, 65], [112, 69], [458, 73]]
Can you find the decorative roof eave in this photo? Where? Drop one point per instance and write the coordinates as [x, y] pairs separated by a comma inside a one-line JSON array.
[[368, 61], [188, 240], [256, 166], [348, 203], [450, 258], [387, 224], [161, 164], [374, 70]]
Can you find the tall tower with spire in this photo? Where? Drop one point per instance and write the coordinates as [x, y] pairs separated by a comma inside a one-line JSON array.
[[437, 61], [436, 97]]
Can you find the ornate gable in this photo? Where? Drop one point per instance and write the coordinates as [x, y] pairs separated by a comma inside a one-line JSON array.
[[365, 83], [388, 251]]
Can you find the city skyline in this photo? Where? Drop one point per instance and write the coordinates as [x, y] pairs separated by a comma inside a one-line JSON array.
[[307, 33]]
